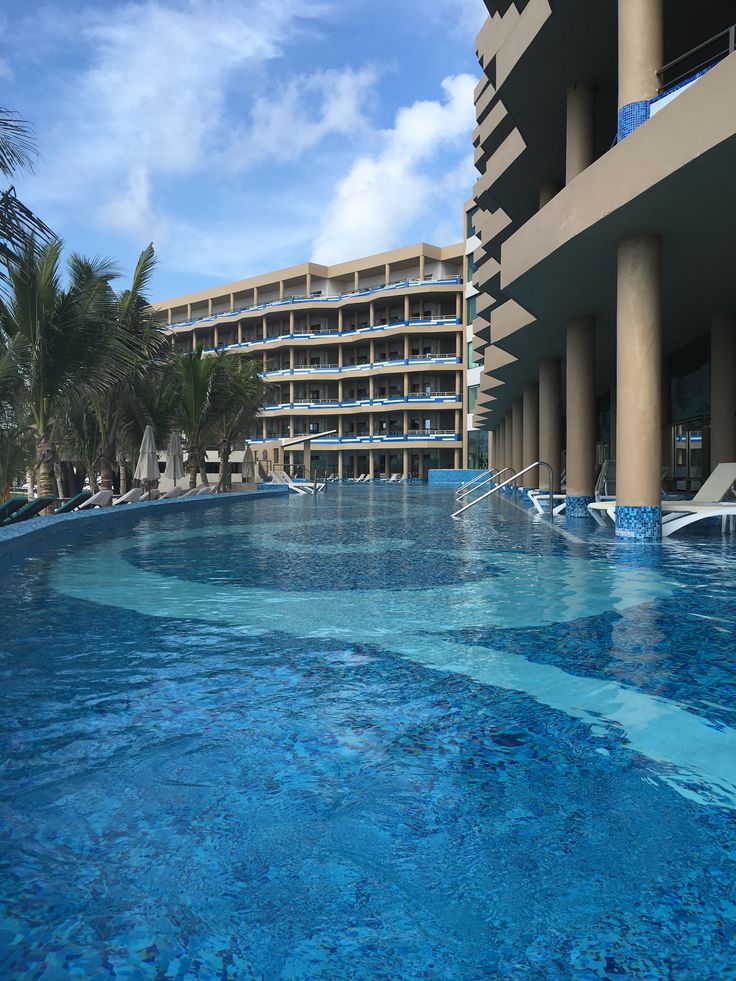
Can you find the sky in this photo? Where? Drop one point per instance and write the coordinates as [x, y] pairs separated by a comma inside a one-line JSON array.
[[242, 136]]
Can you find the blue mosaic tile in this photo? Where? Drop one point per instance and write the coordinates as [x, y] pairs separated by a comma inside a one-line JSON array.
[[452, 476], [641, 523], [631, 117], [576, 506]]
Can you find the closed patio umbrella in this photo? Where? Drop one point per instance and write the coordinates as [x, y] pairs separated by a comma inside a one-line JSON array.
[[147, 466], [249, 465], [174, 459]]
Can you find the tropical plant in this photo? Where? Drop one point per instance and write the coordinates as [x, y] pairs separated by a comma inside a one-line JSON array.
[[17, 222], [196, 376], [238, 394], [64, 341]]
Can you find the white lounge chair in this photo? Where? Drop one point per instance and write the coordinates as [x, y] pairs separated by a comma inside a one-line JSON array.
[[132, 497], [204, 491], [170, 494], [102, 499], [192, 492], [707, 503], [151, 495]]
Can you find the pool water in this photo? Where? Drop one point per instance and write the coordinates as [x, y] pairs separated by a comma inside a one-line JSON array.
[[348, 737]]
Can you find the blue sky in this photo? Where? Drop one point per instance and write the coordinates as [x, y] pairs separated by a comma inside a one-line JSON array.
[[244, 135]]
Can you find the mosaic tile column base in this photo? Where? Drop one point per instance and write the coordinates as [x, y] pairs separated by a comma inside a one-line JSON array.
[[639, 522], [577, 507], [631, 117]]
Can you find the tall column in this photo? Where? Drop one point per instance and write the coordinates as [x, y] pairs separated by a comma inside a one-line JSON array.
[[614, 414], [509, 440], [579, 148], [499, 456], [580, 415], [640, 56], [550, 420], [530, 435], [639, 388], [517, 438], [722, 390], [405, 462], [340, 465], [546, 192]]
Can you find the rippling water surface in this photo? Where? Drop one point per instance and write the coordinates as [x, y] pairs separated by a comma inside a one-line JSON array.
[[351, 738]]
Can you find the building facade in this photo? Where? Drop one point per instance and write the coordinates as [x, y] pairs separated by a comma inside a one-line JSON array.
[[365, 358], [606, 317]]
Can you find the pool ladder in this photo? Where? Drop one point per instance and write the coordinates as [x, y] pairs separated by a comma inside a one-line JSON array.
[[489, 475]]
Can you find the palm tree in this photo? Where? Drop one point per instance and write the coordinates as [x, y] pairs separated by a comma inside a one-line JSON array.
[[64, 340], [238, 394], [131, 311], [195, 374], [17, 222]]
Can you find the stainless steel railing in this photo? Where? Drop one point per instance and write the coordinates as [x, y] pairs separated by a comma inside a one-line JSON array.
[[510, 480], [489, 476]]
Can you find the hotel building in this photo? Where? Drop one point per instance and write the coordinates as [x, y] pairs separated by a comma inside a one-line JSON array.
[[606, 318], [365, 358]]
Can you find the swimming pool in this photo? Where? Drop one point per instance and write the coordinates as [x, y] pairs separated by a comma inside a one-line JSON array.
[[348, 737]]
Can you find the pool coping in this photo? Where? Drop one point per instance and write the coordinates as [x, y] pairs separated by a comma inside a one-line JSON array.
[[16, 539]]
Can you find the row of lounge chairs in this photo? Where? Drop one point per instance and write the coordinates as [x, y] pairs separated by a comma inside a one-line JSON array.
[[17, 509], [364, 478]]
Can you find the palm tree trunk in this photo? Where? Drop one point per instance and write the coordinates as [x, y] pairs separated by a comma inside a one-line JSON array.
[[30, 480], [45, 466], [224, 481], [106, 468], [123, 471], [192, 467], [203, 468]]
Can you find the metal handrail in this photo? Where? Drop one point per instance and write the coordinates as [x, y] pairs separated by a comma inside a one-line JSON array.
[[510, 480], [491, 475], [728, 48], [472, 480]]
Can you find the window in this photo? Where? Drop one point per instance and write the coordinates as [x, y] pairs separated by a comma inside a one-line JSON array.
[[472, 309], [471, 362], [471, 267], [470, 230], [472, 397]]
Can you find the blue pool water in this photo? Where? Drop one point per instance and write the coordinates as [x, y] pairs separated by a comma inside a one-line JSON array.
[[351, 738]]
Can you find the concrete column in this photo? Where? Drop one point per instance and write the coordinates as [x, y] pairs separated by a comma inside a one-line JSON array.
[[499, 460], [509, 440], [530, 433], [614, 416], [340, 320], [550, 420], [458, 459], [217, 336], [639, 50], [407, 308], [580, 130], [517, 437], [639, 384], [580, 415], [458, 307], [371, 460], [722, 390], [194, 340], [372, 314], [307, 458], [405, 460], [339, 464], [240, 333]]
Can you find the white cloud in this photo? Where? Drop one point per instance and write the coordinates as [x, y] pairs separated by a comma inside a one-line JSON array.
[[463, 18], [301, 114], [5, 70], [152, 99], [382, 195]]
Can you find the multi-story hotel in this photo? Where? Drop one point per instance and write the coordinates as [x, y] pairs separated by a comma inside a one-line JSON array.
[[366, 359], [606, 146]]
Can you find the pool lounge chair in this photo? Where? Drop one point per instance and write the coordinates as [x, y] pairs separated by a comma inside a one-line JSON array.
[[73, 503], [12, 505], [151, 495], [707, 503], [29, 510], [204, 491], [169, 495], [192, 492], [132, 497], [102, 499]]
